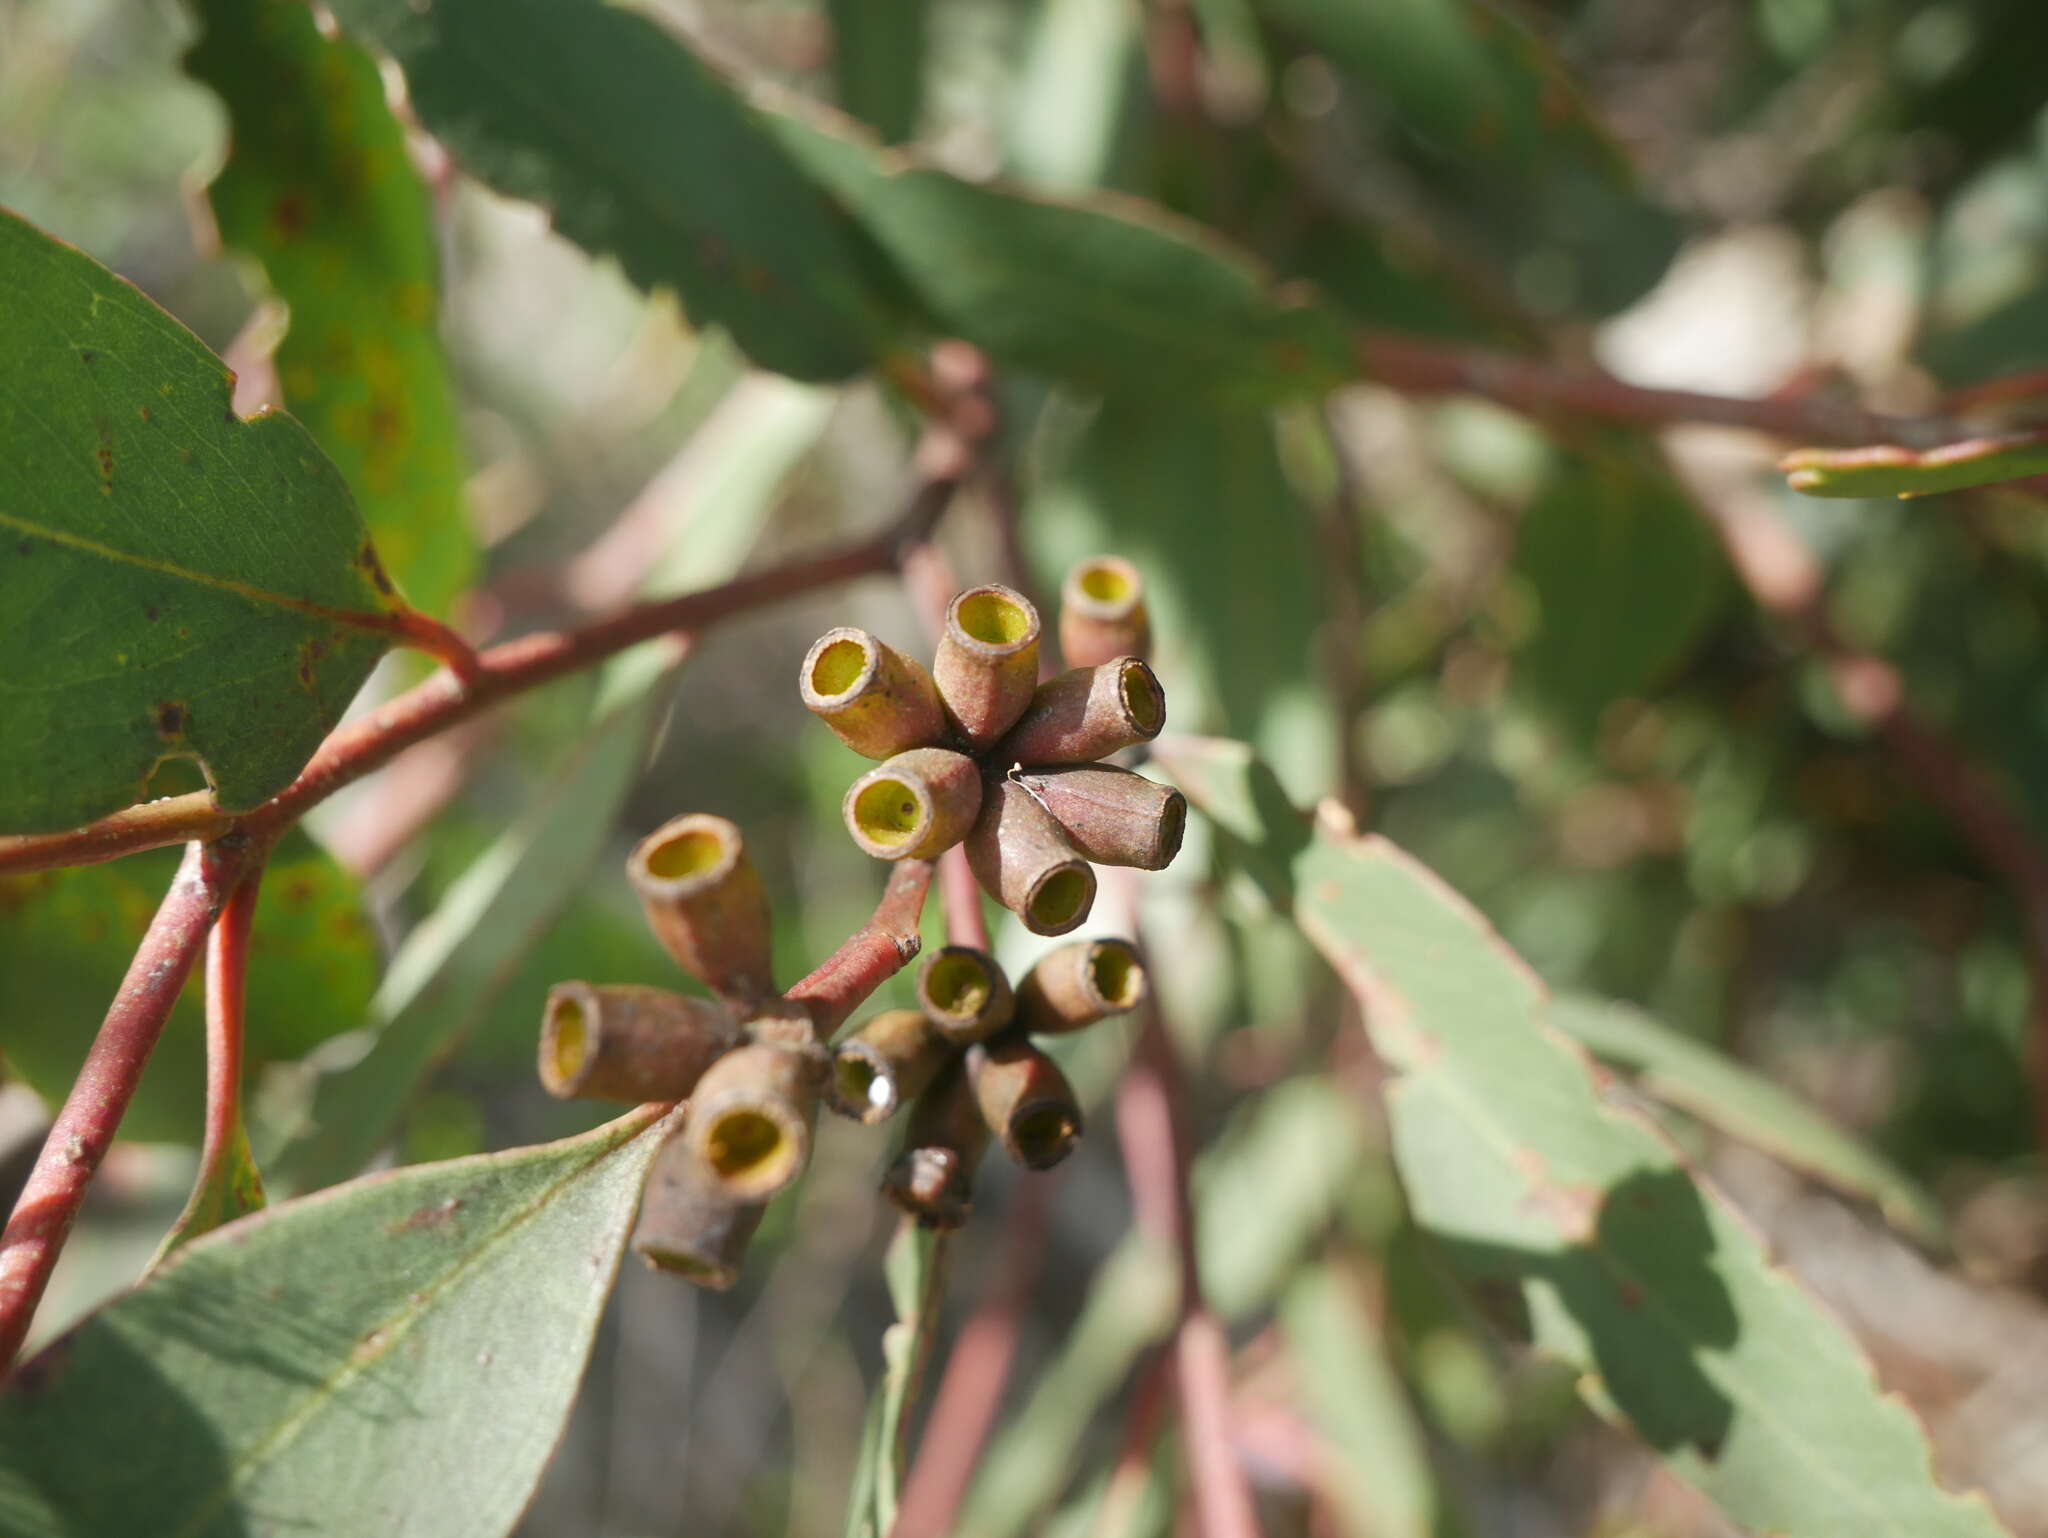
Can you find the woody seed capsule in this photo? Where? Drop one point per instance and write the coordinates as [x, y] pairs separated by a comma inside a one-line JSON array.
[[751, 1115], [705, 903], [886, 1063], [914, 807], [689, 1223], [879, 701], [1022, 859], [1076, 985], [1086, 714], [1025, 1099], [987, 663], [1102, 612], [1111, 815], [965, 994], [933, 1178], [629, 1043]]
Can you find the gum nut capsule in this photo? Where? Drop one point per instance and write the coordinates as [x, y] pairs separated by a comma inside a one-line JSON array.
[[1102, 612], [915, 806], [629, 1043], [932, 1179], [886, 1064], [750, 1118], [689, 1223], [705, 902], [987, 663], [1088, 713], [964, 993], [1023, 860], [1025, 1099], [879, 701], [1075, 985], [1112, 816]]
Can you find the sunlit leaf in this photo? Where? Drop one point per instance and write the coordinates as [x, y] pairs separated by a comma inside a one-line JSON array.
[[1888, 470]]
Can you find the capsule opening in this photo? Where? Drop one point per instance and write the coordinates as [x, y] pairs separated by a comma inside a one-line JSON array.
[[1045, 1134], [689, 853], [862, 1088], [839, 667], [994, 618], [1107, 582], [1173, 827], [1118, 979], [957, 985], [1141, 696], [887, 812], [747, 1143], [568, 1040], [1061, 899]]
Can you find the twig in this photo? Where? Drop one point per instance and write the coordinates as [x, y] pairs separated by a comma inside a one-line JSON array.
[[1155, 1162], [966, 920], [872, 954], [964, 1408], [1784, 578], [84, 1128], [150, 825], [227, 989]]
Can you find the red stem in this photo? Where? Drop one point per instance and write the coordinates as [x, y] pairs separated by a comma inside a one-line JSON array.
[[84, 1128], [874, 953], [227, 987], [966, 920]]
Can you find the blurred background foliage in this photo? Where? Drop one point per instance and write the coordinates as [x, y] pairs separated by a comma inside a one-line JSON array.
[[1518, 647]]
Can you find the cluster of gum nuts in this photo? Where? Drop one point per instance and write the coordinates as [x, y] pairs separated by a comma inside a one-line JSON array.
[[974, 751]]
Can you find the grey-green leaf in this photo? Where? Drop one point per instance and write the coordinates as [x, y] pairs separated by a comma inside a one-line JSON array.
[[396, 1356]]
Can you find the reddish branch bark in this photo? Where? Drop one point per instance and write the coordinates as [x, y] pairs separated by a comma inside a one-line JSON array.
[[227, 992], [873, 954], [85, 1127]]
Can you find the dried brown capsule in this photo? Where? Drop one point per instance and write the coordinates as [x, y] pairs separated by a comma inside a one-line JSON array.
[[705, 902], [932, 1179], [885, 1064], [914, 807], [1086, 714], [1025, 1099], [1112, 816], [1076, 985], [629, 1043], [689, 1223], [879, 701], [750, 1119], [1102, 612], [964, 992], [987, 663], [1022, 859]]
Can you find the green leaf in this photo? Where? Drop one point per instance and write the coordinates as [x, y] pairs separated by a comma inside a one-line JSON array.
[[878, 52], [173, 580], [1742, 1103], [319, 189], [66, 937], [915, 1269], [451, 969], [1634, 1273], [1105, 293], [230, 1187], [1378, 1473], [1887, 470], [1626, 576], [394, 1356], [639, 150]]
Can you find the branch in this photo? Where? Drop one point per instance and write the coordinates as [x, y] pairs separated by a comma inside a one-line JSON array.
[[84, 1128], [874, 953]]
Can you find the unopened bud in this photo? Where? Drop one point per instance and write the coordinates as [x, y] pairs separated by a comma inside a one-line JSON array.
[[1023, 860], [886, 1064], [965, 993], [1025, 1099], [706, 904], [1076, 985], [1088, 713], [914, 807], [987, 663], [1102, 612], [1112, 816], [933, 1178], [689, 1223], [750, 1119], [879, 701], [629, 1043]]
